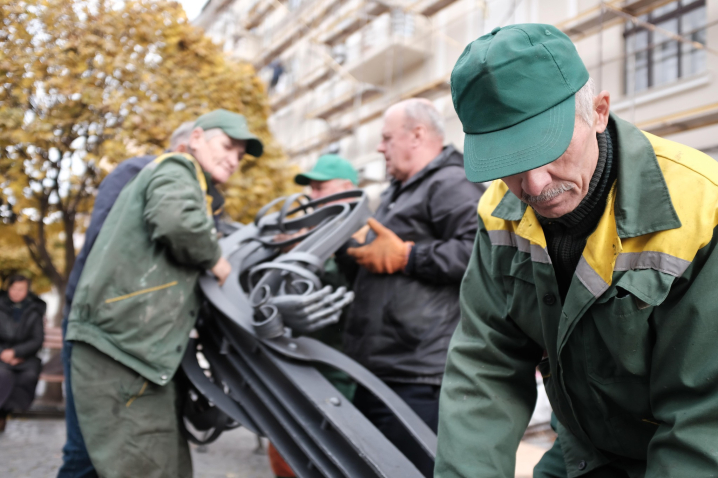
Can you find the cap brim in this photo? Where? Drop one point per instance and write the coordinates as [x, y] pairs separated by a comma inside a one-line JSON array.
[[254, 145], [303, 179], [528, 145]]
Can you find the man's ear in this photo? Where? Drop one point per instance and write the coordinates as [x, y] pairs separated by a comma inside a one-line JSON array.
[[419, 132], [195, 136], [602, 106]]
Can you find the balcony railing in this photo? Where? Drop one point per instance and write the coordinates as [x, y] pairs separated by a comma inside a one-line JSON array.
[[293, 27], [280, 99], [393, 44], [343, 100], [258, 12], [353, 15]]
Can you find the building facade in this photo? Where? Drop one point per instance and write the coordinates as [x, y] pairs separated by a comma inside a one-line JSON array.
[[333, 67]]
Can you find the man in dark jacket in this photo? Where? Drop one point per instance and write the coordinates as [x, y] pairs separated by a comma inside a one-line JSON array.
[[75, 460], [407, 286], [21, 336]]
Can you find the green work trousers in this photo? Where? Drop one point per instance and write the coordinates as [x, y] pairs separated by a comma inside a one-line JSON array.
[[130, 425]]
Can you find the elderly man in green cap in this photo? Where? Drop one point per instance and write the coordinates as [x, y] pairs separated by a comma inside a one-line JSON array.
[[136, 302], [595, 260]]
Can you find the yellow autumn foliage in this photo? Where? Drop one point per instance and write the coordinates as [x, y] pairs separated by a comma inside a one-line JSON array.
[[89, 83]]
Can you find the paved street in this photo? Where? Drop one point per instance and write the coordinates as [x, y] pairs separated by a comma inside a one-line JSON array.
[[31, 448]]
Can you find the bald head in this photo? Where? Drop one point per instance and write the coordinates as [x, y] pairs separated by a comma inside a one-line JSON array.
[[412, 136], [420, 111]]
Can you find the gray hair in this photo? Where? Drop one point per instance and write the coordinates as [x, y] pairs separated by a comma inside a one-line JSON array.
[[422, 111], [584, 102], [181, 135], [211, 133]]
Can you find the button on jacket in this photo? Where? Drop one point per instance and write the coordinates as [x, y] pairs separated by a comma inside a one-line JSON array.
[[137, 298], [631, 361]]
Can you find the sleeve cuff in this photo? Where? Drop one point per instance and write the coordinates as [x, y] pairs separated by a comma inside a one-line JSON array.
[[411, 263], [215, 259]]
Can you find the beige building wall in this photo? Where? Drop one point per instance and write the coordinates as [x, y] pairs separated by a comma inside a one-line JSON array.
[[346, 62]]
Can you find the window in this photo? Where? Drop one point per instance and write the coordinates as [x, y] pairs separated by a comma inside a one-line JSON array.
[[653, 58]]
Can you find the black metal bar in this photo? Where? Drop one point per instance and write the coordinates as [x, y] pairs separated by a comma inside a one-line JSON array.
[[313, 402]]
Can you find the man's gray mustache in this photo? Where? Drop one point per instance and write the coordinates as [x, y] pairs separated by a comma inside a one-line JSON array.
[[546, 195]]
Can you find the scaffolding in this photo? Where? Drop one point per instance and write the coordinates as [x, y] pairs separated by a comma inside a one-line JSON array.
[[610, 14], [349, 90], [376, 71]]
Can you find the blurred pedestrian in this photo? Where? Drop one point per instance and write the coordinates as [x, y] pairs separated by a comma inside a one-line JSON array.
[[411, 264], [75, 460], [21, 336], [136, 302], [595, 260]]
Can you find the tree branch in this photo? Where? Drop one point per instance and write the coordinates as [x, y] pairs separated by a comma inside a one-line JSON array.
[[38, 250]]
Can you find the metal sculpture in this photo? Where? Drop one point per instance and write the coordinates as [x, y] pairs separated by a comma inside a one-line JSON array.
[[255, 374]]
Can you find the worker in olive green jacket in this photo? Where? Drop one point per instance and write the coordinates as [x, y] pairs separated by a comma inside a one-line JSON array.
[[137, 300], [595, 260]]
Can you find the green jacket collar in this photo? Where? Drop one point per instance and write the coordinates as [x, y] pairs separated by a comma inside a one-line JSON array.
[[643, 203]]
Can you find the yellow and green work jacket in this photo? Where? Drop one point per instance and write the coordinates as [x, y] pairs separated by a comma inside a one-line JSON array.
[[630, 357], [137, 298]]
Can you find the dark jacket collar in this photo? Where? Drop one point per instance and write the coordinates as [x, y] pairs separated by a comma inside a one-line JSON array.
[[31, 301], [643, 203], [448, 156]]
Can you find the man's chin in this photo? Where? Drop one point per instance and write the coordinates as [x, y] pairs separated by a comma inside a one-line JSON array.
[[221, 177], [553, 211]]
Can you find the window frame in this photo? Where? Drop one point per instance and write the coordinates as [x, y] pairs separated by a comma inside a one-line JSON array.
[[684, 7]]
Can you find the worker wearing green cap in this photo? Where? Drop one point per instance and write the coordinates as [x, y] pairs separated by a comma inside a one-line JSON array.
[[136, 302], [594, 261], [330, 175]]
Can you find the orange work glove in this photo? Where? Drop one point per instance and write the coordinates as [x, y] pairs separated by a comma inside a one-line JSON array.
[[387, 254]]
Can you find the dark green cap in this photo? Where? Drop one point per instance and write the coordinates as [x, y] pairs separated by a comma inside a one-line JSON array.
[[234, 125], [329, 166], [514, 91]]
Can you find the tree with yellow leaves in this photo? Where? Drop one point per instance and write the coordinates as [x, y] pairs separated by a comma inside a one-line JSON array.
[[89, 83]]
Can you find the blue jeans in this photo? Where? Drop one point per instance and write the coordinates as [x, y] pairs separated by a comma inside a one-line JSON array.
[[75, 459]]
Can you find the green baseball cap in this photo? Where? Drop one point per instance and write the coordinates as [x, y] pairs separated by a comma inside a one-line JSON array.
[[329, 166], [234, 125], [514, 91]]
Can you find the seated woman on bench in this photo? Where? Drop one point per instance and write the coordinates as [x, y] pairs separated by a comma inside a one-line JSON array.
[[21, 336]]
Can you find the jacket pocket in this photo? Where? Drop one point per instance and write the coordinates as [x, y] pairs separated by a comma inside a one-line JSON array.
[[416, 312], [135, 388], [633, 434], [544, 368], [618, 339]]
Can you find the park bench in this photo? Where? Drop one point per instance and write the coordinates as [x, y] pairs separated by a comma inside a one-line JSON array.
[[52, 370]]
